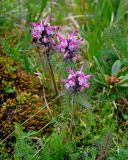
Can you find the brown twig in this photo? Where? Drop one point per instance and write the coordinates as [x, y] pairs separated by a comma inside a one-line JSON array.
[[105, 148], [46, 102], [44, 95]]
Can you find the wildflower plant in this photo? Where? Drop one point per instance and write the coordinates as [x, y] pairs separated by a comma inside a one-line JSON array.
[[43, 34], [69, 46], [76, 82]]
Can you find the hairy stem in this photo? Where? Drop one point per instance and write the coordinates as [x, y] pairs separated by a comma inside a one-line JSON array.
[[52, 74], [72, 115]]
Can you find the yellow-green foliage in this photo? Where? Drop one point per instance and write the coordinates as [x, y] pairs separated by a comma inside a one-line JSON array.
[[19, 98]]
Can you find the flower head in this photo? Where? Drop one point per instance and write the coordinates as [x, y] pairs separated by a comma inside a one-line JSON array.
[[69, 46], [77, 80], [43, 33]]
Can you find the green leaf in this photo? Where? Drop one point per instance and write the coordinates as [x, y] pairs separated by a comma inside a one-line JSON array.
[[26, 63], [125, 116], [82, 100], [123, 79], [99, 66], [124, 85], [116, 68], [43, 5], [8, 89]]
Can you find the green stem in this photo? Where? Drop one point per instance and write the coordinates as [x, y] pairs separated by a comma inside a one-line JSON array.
[[52, 74], [72, 115]]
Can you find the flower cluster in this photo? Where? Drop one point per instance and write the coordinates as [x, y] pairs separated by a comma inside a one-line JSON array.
[[69, 46], [43, 33], [77, 80]]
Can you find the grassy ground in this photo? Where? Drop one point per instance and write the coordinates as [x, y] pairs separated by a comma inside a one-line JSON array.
[[34, 123]]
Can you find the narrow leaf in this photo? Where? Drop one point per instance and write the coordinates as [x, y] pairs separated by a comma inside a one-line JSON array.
[[116, 68], [99, 66]]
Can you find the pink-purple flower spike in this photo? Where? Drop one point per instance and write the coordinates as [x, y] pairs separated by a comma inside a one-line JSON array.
[[69, 46], [43, 33], [77, 80]]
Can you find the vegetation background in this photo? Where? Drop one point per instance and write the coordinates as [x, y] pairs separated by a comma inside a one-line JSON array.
[[34, 124]]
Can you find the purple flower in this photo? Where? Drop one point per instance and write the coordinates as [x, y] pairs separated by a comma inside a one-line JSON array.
[[43, 33], [69, 46], [77, 80]]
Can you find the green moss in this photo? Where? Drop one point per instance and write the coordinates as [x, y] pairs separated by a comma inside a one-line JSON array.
[[19, 99]]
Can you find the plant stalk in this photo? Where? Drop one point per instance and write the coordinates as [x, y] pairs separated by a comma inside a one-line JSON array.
[[72, 115], [52, 74]]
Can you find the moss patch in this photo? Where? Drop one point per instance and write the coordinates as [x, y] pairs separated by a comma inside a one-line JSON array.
[[20, 97]]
